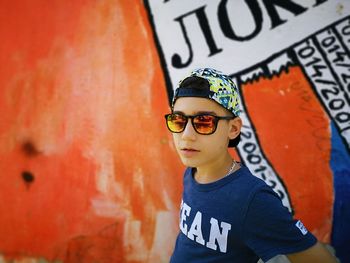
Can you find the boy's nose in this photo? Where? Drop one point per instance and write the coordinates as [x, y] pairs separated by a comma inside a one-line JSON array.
[[189, 133]]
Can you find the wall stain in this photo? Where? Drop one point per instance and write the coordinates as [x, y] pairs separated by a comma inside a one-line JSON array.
[[30, 149], [28, 178]]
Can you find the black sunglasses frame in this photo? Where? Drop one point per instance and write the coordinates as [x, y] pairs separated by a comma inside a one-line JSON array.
[[192, 117]]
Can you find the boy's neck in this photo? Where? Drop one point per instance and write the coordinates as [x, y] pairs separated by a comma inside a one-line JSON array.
[[216, 170]]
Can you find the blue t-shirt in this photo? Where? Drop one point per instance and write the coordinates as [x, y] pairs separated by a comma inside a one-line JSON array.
[[235, 219]]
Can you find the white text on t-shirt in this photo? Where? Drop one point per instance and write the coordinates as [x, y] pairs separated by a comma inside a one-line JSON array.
[[217, 236]]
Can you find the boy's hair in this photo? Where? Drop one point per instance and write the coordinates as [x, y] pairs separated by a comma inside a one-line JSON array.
[[211, 84]]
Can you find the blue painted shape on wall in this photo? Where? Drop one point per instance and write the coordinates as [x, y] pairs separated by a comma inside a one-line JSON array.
[[340, 164]]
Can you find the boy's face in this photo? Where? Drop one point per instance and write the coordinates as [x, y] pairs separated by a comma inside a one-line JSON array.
[[201, 150]]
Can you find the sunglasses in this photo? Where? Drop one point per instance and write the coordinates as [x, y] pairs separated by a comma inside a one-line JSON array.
[[202, 123]]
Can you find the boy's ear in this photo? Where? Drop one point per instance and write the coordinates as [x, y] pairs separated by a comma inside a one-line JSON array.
[[235, 126]]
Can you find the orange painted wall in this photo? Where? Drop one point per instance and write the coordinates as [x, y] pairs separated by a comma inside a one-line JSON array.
[[294, 132], [82, 103]]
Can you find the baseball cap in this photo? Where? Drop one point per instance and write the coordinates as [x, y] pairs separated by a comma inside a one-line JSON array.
[[221, 89]]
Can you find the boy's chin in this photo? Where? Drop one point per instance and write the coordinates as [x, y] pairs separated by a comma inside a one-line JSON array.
[[188, 162]]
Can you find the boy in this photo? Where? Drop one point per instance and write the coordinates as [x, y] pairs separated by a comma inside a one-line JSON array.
[[227, 214]]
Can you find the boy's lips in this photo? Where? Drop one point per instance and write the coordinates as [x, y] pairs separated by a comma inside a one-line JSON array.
[[189, 152]]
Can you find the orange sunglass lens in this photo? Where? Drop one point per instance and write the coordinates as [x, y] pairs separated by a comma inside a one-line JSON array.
[[204, 124], [176, 123]]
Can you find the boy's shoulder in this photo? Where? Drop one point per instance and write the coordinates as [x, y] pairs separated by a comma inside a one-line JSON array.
[[242, 175], [240, 186]]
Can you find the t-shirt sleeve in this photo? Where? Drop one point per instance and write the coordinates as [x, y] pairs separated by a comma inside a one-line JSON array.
[[269, 228]]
